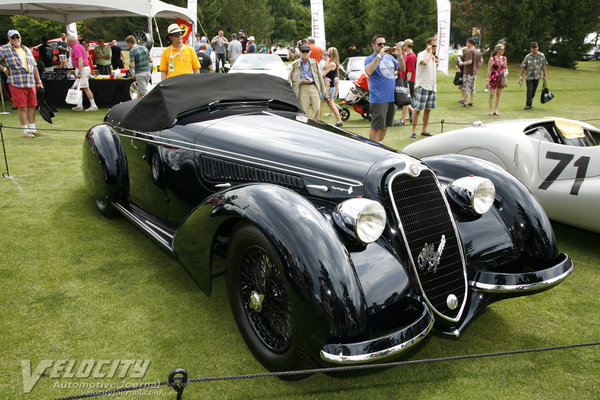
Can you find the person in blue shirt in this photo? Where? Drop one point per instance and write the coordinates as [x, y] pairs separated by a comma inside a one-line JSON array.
[[381, 68]]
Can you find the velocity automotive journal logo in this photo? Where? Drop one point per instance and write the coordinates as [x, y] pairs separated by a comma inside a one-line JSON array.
[[63, 370]]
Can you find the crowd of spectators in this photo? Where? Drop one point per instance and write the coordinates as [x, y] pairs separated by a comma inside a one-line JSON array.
[[313, 74]]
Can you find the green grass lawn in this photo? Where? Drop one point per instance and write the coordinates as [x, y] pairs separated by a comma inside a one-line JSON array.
[[76, 286]]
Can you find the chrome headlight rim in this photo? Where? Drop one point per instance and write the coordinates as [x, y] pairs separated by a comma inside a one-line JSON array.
[[476, 192], [362, 219]]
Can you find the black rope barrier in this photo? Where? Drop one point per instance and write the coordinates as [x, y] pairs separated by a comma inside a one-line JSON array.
[[442, 122], [178, 378]]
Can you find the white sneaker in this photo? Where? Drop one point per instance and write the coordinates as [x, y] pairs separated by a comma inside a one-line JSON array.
[[78, 108], [92, 108]]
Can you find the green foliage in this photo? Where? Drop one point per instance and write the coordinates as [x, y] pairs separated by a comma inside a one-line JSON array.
[[559, 26], [291, 21], [34, 29], [345, 27]]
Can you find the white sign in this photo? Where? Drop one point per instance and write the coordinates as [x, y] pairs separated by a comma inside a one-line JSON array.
[[443, 34], [318, 22]]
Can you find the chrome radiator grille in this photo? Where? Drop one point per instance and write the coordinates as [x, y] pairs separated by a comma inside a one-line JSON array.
[[433, 244]]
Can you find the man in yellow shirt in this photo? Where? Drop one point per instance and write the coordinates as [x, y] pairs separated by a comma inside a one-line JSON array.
[[178, 58]]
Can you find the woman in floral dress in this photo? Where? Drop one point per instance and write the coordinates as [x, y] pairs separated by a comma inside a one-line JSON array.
[[497, 68]]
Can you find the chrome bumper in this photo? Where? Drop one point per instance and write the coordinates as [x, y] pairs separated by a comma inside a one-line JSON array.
[[496, 282], [382, 347]]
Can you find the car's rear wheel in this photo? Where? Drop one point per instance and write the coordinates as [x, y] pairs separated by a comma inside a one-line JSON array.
[[106, 208], [259, 300]]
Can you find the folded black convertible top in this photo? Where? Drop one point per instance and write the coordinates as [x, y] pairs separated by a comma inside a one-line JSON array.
[[182, 93]]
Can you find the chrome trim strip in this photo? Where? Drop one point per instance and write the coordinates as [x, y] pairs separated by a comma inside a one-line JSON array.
[[238, 157], [410, 170], [378, 355], [486, 287], [147, 228], [158, 228], [322, 188]]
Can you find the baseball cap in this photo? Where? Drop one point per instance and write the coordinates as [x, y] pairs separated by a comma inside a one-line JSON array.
[[241, 31], [13, 32], [174, 28], [304, 48], [251, 38]]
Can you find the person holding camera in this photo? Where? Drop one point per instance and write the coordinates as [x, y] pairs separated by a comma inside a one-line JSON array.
[[381, 66]]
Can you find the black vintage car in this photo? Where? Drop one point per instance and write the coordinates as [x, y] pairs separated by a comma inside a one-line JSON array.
[[336, 249]]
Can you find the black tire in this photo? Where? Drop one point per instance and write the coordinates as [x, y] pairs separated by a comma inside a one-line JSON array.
[[156, 168], [267, 324], [106, 208], [344, 113]]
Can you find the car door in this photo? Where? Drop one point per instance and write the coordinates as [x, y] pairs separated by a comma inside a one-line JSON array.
[[146, 178], [182, 175]]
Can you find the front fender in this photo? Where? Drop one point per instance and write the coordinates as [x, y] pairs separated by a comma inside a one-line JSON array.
[[524, 221], [104, 164], [325, 289]]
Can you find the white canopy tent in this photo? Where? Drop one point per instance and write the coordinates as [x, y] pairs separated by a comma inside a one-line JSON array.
[[68, 11]]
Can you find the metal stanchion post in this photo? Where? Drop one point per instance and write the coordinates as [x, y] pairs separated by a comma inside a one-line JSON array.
[[4, 174], [3, 108], [442, 126]]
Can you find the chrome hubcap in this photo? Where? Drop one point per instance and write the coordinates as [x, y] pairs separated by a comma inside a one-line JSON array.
[[256, 301]]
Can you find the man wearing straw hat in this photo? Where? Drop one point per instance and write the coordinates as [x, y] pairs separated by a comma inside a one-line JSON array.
[[17, 62]]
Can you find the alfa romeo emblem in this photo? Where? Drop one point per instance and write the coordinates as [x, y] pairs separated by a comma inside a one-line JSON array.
[[413, 169], [429, 258]]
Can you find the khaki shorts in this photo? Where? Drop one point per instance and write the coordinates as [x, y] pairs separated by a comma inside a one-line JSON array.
[[142, 79], [84, 81]]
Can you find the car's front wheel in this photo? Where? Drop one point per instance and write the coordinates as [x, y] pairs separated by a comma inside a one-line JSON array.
[[259, 300]]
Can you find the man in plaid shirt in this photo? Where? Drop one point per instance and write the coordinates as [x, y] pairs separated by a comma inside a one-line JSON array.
[[17, 62]]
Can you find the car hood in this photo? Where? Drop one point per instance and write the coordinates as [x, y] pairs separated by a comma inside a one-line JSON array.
[[297, 145]]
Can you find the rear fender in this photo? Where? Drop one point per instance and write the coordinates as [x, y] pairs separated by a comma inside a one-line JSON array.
[[104, 164], [324, 287]]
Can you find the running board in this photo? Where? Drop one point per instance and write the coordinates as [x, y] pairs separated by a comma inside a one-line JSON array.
[[161, 234]]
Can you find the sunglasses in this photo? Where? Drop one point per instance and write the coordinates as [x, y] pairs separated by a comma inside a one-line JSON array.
[[434, 45], [380, 44], [175, 34], [15, 37], [304, 51]]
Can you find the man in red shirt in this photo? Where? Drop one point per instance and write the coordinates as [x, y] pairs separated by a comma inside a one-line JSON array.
[[81, 63], [316, 52], [410, 60]]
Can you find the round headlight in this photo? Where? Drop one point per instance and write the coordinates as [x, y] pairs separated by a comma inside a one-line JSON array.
[[479, 193], [363, 219], [483, 196]]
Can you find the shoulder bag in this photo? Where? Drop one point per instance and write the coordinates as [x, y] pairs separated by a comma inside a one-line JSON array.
[[546, 94], [402, 97]]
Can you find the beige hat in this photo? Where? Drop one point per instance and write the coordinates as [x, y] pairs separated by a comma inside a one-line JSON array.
[[174, 28]]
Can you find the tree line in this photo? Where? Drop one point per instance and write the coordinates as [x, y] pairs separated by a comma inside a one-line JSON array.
[[559, 26]]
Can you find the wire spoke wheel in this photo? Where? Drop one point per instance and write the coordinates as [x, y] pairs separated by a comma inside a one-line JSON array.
[[261, 281], [259, 298]]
